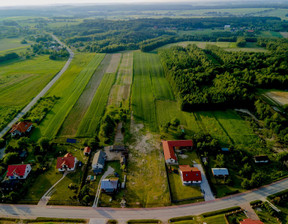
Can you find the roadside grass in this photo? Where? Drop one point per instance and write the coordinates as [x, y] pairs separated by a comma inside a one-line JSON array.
[[180, 191], [149, 84], [10, 43], [69, 87], [92, 117], [24, 78]]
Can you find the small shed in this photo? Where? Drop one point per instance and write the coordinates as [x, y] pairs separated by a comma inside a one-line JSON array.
[[87, 151], [220, 172], [261, 159]]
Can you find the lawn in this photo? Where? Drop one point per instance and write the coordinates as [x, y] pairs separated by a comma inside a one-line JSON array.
[[69, 88], [90, 121], [22, 80], [149, 85], [180, 191]]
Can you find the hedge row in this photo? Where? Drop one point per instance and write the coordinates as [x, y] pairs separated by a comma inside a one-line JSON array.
[[222, 211]]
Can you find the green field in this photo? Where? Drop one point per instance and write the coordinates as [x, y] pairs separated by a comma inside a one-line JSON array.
[[69, 88], [149, 85], [10, 43], [90, 121], [22, 80]]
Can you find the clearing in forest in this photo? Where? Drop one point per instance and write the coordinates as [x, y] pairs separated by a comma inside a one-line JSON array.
[[69, 88], [120, 91], [72, 121]]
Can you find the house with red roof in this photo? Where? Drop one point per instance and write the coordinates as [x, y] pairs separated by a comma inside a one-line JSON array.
[[250, 221], [87, 151], [66, 163], [170, 146], [21, 128], [20, 171], [190, 175]]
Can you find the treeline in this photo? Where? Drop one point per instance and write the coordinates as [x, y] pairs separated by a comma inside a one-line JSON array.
[[108, 36], [215, 78], [8, 57]]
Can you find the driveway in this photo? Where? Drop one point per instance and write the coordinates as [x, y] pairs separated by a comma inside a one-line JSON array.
[[205, 187], [42, 93]]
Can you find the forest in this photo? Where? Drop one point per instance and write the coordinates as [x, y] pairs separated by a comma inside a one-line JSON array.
[[214, 78], [107, 36]]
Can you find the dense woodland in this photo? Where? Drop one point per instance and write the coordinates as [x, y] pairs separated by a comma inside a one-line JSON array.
[[214, 77], [110, 36]]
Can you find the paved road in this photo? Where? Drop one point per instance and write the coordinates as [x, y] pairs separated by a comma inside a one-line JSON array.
[[43, 92], [124, 214]]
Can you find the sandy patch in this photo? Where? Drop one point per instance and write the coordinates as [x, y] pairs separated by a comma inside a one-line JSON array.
[[280, 97]]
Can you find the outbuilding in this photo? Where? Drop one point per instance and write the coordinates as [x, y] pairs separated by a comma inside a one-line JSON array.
[[220, 172]]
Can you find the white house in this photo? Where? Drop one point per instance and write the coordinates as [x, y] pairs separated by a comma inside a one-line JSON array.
[[68, 162]]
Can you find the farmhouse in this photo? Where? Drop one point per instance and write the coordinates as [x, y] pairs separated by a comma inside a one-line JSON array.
[[21, 128], [87, 151], [190, 175], [261, 159], [18, 171], [110, 186], [250, 221], [68, 162], [98, 162], [220, 172], [170, 146]]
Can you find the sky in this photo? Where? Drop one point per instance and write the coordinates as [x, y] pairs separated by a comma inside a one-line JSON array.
[[52, 2]]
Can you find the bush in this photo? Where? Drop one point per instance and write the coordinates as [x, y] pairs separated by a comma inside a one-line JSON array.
[[175, 122], [222, 211], [2, 142]]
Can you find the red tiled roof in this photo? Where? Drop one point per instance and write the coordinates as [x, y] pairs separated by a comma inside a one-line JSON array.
[[250, 221], [21, 126], [19, 170], [190, 173], [68, 160], [168, 147], [87, 149]]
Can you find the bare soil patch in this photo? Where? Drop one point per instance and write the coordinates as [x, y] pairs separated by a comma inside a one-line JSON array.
[[284, 34], [115, 60], [280, 97]]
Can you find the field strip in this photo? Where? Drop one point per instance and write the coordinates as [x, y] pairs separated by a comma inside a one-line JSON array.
[[121, 89], [92, 117], [42, 93], [80, 83], [73, 120]]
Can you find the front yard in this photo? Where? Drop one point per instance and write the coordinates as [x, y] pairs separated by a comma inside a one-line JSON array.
[[181, 192]]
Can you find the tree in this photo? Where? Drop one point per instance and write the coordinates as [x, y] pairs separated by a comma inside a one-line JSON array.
[[44, 144], [175, 122], [220, 160], [86, 199], [11, 157], [23, 143]]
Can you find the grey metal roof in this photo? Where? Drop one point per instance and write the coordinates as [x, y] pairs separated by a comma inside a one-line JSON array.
[[109, 184], [99, 158], [220, 171]]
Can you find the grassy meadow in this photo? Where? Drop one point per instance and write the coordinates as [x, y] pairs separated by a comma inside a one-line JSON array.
[[149, 85], [69, 88], [22, 80]]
